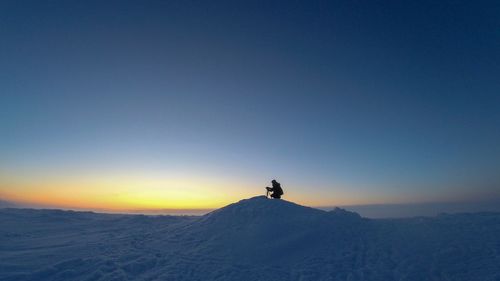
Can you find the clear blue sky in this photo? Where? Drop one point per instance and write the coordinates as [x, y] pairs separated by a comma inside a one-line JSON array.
[[344, 102]]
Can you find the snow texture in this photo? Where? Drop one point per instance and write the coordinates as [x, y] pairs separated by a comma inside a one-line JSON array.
[[254, 239]]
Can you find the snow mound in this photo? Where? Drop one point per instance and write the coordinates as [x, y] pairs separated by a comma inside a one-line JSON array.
[[261, 209], [283, 232], [342, 213], [272, 212]]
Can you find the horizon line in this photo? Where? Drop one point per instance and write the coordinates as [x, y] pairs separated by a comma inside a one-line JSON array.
[[377, 210]]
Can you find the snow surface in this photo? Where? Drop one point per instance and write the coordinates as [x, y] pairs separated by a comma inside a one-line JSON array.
[[254, 239]]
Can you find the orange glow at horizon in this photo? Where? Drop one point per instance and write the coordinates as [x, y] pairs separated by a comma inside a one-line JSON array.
[[136, 191], [118, 192]]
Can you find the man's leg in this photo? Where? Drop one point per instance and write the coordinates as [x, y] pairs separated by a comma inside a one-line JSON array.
[[275, 195]]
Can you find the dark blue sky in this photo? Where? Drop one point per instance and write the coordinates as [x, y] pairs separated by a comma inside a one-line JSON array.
[[343, 101]]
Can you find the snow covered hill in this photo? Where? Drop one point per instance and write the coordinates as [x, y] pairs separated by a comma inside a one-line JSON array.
[[254, 239], [7, 204]]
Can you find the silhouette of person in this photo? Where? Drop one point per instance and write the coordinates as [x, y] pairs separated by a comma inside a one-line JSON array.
[[276, 190]]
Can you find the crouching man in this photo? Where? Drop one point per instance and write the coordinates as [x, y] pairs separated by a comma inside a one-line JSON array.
[[276, 190]]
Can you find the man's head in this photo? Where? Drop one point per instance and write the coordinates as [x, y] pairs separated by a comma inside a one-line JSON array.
[[274, 181]]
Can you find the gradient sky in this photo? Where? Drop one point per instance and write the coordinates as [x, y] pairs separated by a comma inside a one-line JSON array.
[[196, 104]]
